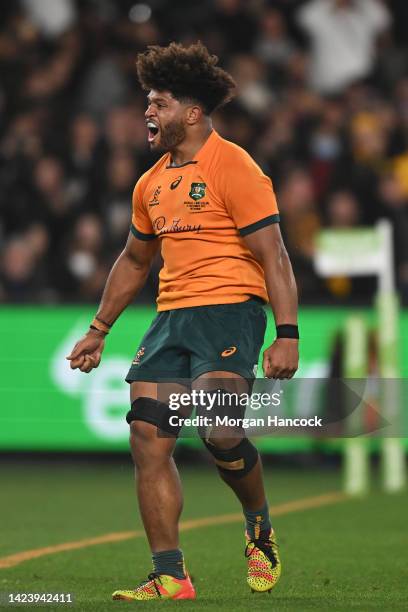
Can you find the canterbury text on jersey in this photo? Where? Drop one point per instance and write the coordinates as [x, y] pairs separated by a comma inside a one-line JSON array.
[[200, 212]]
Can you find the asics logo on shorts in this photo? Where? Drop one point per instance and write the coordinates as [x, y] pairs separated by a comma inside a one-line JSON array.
[[229, 351]]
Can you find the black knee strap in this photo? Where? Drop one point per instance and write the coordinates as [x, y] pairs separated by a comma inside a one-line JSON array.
[[237, 461], [153, 412]]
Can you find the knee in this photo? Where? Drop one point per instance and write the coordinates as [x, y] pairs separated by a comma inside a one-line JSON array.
[[142, 433], [142, 441]]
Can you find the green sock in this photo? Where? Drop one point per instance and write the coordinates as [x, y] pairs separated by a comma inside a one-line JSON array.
[[257, 521], [169, 562]]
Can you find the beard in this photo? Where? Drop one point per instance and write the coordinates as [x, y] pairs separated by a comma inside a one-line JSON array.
[[172, 135]]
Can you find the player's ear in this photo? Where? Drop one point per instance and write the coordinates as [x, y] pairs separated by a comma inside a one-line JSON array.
[[194, 114]]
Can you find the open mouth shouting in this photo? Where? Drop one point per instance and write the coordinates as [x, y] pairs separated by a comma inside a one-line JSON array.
[[153, 131]]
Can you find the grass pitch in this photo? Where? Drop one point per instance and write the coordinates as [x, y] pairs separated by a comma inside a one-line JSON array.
[[348, 555]]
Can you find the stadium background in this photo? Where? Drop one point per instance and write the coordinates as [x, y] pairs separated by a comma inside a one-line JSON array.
[[328, 123]]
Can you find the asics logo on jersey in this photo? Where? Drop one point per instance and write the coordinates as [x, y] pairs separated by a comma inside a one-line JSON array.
[[176, 182]]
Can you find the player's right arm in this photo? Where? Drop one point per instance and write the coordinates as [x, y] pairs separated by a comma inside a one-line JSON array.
[[127, 277]]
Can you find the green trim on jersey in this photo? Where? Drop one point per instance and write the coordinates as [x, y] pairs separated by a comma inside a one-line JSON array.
[[253, 227], [140, 235]]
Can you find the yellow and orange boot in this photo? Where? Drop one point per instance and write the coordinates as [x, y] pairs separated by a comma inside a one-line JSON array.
[[264, 566], [159, 586]]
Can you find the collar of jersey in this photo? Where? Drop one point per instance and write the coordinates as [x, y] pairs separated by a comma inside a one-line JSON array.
[[182, 165], [208, 143]]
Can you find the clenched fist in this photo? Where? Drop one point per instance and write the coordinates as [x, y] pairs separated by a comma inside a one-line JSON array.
[[87, 352], [281, 359]]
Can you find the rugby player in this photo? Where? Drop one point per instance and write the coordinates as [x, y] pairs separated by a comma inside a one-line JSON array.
[[212, 213]]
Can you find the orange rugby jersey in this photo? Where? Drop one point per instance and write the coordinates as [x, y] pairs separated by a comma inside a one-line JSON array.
[[200, 212]]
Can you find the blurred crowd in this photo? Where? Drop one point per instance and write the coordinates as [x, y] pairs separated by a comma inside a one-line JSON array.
[[322, 106]]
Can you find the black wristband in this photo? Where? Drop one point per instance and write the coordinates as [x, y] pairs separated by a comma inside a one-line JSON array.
[[287, 330]]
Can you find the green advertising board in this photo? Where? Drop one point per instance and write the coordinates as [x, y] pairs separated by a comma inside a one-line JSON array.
[[46, 406]]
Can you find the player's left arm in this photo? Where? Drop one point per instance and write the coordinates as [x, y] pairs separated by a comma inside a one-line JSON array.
[[251, 202], [280, 360]]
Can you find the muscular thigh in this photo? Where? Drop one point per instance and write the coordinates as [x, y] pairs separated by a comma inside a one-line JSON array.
[[154, 390]]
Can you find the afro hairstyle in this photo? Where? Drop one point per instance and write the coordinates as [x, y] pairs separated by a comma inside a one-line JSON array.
[[188, 73]]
